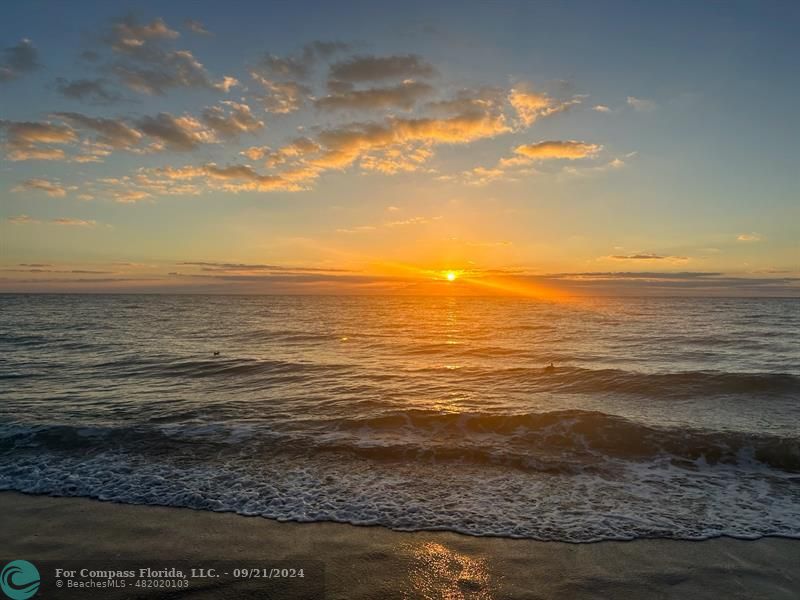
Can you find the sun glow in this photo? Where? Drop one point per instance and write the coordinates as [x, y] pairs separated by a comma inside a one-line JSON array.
[[451, 275]]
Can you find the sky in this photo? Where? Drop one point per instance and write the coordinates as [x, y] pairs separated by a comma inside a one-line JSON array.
[[534, 148]]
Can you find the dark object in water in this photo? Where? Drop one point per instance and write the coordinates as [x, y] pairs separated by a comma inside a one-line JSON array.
[[216, 353], [550, 368]]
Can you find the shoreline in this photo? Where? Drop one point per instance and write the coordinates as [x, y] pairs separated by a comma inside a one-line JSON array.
[[374, 561], [466, 534]]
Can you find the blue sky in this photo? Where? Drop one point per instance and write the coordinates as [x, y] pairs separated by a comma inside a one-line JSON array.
[[529, 141]]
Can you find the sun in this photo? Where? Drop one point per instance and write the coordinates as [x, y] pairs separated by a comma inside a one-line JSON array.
[[451, 276]]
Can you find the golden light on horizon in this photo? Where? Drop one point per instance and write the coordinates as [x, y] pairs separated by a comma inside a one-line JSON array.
[[451, 276]]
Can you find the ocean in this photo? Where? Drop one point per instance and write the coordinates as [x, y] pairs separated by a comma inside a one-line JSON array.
[[664, 417]]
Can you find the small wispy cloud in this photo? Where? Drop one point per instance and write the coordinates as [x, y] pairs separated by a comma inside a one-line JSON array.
[[63, 221], [21, 220], [748, 237], [647, 256], [196, 27], [641, 104], [390, 224], [74, 222], [358, 229]]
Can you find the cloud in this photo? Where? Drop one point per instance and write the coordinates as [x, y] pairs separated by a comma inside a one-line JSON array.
[[176, 133], [196, 27], [17, 153], [30, 132], [51, 188], [256, 152], [113, 132], [641, 104], [142, 185], [146, 65], [390, 224], [514, 167], [231, 119], [634, 275], [92, 91], [648, 256], [582, 171], [300, 65], [403, 95], [226, 120], [23, 139], [549, 150], [480, 176], [639, 256], [178, 69], [471, 100], [602, 108], [387, 142], [130, 196], [70, 271], [18, 60], [388, 146], [233, 178], [128, 34], [22, 220], [531, 105], [397, 159], [296, 149], [74, 222], [359, 229], [282, 97], [377, 68], [213, 266], [412, 221], [670, 283], [342, 146], [748, 237]]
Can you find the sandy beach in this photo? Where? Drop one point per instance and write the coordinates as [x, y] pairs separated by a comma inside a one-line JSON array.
[[373, 562]]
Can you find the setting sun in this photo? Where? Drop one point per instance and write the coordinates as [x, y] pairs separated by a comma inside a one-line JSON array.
[[451, 276]]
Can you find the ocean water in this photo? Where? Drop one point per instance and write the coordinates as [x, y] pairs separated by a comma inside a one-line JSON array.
[[665, 417]]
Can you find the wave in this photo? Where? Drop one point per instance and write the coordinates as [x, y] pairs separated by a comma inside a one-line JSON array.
[[222, 367], [686, 384], [557, 441], [653, 499], [576, 433], [566, 379]]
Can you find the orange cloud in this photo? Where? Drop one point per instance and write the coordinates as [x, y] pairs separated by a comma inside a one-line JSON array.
[[231, 119], [51, 188], [531, 105], [282, 97], [568, 150]]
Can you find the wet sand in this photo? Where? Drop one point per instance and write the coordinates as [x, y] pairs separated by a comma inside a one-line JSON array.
[[374, 562]]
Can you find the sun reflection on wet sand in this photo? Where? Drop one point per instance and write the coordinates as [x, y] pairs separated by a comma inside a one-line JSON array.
[[440, 573]]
